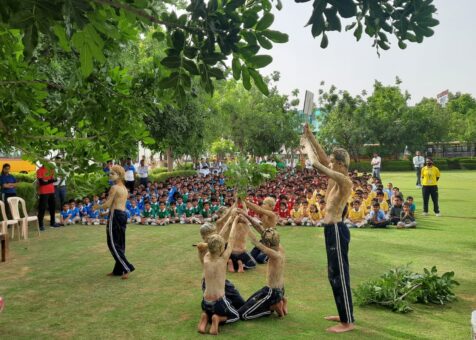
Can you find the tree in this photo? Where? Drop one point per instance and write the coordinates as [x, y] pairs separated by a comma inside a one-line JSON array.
[[221, 147], [344, 124], [461, 110]]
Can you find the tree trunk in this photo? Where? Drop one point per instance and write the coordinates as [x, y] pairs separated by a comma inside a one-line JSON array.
[[170, 160]]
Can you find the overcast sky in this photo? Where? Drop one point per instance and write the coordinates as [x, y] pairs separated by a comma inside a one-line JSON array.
[[447, 60]]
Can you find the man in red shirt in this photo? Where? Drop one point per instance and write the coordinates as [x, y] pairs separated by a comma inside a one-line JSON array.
[[46, 190]]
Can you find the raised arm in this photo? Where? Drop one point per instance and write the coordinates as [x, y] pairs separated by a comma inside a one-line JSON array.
[[262, 211], [268, 251], [202, 249], [231, 239], [254, 222], [222, 220], [316, 147], [224, 232]]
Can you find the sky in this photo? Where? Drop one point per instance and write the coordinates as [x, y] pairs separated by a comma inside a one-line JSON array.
[[447, 60]]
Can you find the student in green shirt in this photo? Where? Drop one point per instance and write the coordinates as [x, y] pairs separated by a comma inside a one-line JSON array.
[[206, 212], [188, 214], [197, 212], [147, 215], [173, 214], [162, 214]]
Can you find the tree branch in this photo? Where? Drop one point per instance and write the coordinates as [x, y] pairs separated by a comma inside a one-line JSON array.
[[143, 14]]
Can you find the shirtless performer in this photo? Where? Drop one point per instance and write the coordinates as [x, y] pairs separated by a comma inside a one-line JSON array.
[[270, 298], [206, 230], [116, 228], [337, 235], [268, 220], [215, 305]]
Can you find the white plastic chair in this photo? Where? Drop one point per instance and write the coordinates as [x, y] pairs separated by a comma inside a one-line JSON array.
[[14, 203], [6, 222]]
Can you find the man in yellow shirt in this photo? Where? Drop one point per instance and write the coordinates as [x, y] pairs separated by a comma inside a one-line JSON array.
[[430, 175]]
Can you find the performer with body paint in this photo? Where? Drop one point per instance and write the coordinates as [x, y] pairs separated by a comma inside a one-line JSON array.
[[337, 235], [116, 227]]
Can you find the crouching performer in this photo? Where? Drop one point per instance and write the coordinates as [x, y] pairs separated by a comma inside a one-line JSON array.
[[116, 227], [270, 298], [207, 230], [337, 235], [216, 308]]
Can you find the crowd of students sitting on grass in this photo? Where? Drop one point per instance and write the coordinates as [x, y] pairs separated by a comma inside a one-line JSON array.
[[300, 201]]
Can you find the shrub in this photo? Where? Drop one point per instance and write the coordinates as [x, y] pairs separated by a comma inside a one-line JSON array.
[[162, 177], [29, 178], [157, 170], [184, 166], [27, 191], [468, 165], [81, 185]]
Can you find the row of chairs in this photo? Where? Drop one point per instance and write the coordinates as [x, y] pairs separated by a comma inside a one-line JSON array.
[[20, 221]]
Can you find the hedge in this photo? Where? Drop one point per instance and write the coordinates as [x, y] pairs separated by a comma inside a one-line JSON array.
[[407, 165], [27, 191], [162, 177], [158, 170], [29, 178]]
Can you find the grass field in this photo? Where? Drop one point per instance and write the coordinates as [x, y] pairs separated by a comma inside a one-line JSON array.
[[55, 286]]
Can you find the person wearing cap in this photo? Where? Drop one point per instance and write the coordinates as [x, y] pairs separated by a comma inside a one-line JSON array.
[[430, 175]]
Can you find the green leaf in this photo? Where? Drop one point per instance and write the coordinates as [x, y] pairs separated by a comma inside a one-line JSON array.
[[159, 36], [170, 81], [148, 140], [171, 61], [61, 35], [190, 66], [236, 67], [217, 73], [178, 40], [333, 21], [234, 4], [265, 22], [264, 42], [246, 78], [402, 45], [279, 5], [358, 31], [259, 82], [276, 36], [250, 18], [346, 8], [260, 61], [324, 41], [30, 40], [190, 52]]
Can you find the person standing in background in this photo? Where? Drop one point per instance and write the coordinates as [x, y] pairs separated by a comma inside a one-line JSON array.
[[430, 176], [418, 163], [46, 190], [60, 183], [8, 184], [376, 165], [130, 172], [143, 171]]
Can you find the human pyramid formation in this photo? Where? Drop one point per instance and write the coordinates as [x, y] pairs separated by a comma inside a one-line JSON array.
[[225, 245]]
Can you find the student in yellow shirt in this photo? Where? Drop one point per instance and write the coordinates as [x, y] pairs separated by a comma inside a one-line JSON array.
[[296, 215], [356, 216], [322, 212], [310, 197], [314, 215], [305, 214], [430, 176], [383, 203]]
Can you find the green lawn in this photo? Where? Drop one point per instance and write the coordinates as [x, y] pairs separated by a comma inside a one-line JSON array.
[[55, 286]]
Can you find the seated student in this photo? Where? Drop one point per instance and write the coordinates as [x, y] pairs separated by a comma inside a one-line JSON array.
[[162, 214], [74, 212], [366, 201], [214, 208], [314, 215], [377, 218], [147, 215], [197, 212], [206, 212], [305, 213], [134, 212], [93, 216], [83, 213], [382, 201], [322, 212], [412, 205], [395, 210], [284, 218], [180, 207], [188, 214], [65, 215], [296, 215], [389, 192], [397, 192], [356, 216], [407, 219], [173, 214]]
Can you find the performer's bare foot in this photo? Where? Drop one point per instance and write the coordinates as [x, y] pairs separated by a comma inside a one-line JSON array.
[[241, 269], [332, 318], [341, 328], [125, 276], [202, 325], [216, 319], [278, 308], [231, 268], [285, 306], [110, 274]]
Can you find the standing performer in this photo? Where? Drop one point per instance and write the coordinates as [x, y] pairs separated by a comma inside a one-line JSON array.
[[336, 233], [116, 228]]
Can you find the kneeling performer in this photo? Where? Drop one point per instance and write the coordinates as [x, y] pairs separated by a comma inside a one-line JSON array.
[[271, 297]]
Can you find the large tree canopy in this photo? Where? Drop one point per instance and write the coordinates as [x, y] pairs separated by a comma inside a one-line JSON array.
[[68, 84]]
